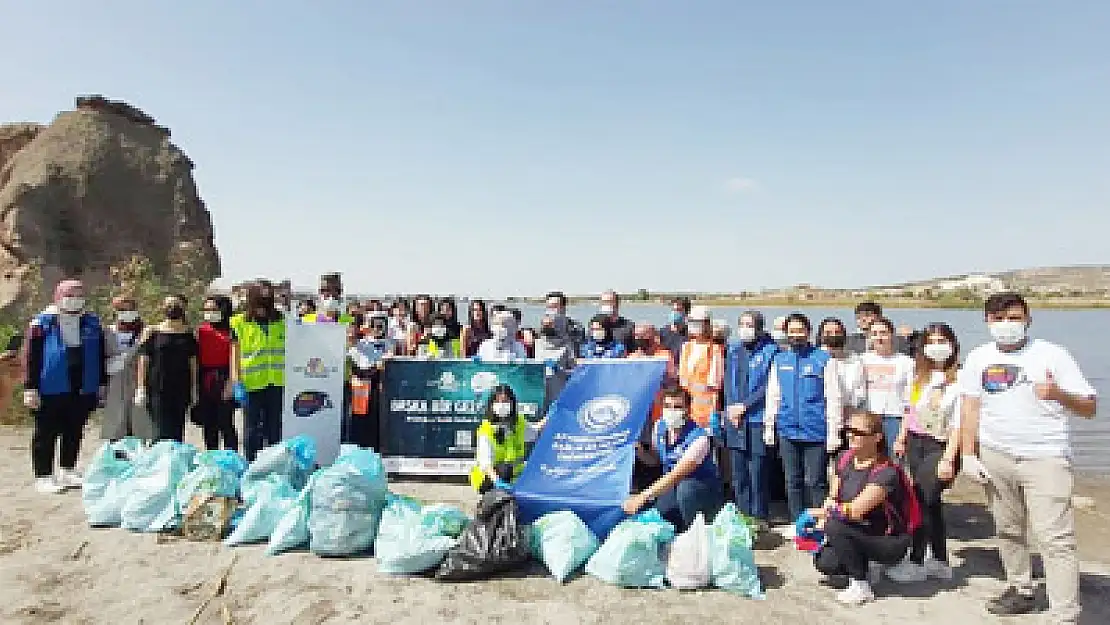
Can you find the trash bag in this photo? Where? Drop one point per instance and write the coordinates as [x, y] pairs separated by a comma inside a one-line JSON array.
[[631, 555], [444, 520], [291, 531], [231, 461], [104, 490], [688, 561], [346, 503], [207, 479], [406, 544], [732, 561], [273, 498], [494, 542], [562, 542], [293, 458], [150, 505]]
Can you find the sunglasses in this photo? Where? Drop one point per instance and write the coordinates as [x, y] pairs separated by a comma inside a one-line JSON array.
[[859, 432]]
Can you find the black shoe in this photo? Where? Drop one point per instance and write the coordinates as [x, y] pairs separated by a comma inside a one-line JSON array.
[[1012, 603]]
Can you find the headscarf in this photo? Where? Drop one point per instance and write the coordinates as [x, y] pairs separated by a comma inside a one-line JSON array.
[[66, 288]]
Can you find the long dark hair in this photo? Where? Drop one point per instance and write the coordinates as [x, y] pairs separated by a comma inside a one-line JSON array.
[[499, 391], [482, 325], [923, 366], [261, 296], [223, 304]]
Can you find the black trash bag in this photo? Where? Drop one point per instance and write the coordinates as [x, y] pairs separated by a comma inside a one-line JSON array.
[[494, 543]]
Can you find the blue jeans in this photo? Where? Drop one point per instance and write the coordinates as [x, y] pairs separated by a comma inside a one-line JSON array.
[[806, 467], [751, 474], [683, 502], [892, 427], [262, 419]]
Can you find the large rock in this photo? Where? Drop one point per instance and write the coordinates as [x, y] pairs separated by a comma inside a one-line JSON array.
[[98, 186]]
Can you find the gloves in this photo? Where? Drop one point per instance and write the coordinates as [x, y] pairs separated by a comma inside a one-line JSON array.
[[31, 399], [549, 367], [502, 485], [115, 365], [715, 429], [973, 468], [769, 436], [804, 524], [140, 397], [239, 393]]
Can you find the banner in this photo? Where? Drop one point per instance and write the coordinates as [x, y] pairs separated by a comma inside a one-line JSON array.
[[315, 360], [584, 457], [431, 409]]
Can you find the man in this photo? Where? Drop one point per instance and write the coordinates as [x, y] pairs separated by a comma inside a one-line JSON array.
[[866, 314], [565, 327], [330, 305], [673, 335], [1018, 397], [620, 328]]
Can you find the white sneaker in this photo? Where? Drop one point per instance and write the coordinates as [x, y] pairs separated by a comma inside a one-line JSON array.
[[907, 573], [786, 531], [47, 486], [938, 570], [70, 478], [857, 593]]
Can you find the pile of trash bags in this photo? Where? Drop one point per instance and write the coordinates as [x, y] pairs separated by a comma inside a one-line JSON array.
[[346, 509]]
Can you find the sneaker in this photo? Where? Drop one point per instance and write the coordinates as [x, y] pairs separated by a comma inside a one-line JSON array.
[[938, 570], [786, 531], [47, 486], [907, 573], [857, 593], [70, 478], [1012, 603]]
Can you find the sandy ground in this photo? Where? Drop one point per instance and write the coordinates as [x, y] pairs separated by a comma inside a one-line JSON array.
[[54, 569]]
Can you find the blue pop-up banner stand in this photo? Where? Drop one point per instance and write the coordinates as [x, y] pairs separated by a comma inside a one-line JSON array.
[[583, 459]]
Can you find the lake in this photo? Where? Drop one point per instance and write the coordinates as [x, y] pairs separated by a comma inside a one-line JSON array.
[[1080, 331]]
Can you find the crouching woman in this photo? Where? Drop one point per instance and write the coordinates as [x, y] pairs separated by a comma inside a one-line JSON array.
[[501, 450], [868, 516], [691, 483]]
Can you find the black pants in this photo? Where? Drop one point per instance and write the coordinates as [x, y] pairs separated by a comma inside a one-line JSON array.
[[848, 550], [262, 420], [503, 470], [922, 455], [168, 414], [59, 417], [216, 418]]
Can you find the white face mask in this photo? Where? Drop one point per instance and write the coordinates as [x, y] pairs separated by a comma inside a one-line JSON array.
[[938, 352], [501, 408], [127, 316], [674, 418], [553, 313], [213, 316], [606, 309], [598, 335], [778, 335], [72, 304], [439, 332], [500, 332], [695, 328], [1007, 332], [745, 333], [329, 305]]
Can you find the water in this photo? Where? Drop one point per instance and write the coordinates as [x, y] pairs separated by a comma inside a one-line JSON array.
[[1080, 331]]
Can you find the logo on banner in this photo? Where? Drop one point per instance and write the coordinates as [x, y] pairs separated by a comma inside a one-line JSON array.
[[483, 382], [316, 369], [601, 414], [308, 403], [445, 383]]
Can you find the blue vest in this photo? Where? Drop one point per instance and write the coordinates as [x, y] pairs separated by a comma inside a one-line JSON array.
[[593, 349], [55, 370], [759, 372], [670, 455], [801, 378]]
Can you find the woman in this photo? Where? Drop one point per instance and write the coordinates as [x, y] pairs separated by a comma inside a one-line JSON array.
[[701, 366], [930, 441], [399, 324], [476, 329], [690, 484], [421, 322], [886, 378], [600, 343], [214, 413], [258, 369], [437, 341], [121, 417], [449, 311], [863, 518], [501, 453], [167, 371], [832, 336]]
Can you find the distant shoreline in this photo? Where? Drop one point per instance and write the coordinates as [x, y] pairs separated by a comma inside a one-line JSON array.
[[758, 302]]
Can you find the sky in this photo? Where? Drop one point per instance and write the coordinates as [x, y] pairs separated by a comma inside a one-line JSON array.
[[495, 147]]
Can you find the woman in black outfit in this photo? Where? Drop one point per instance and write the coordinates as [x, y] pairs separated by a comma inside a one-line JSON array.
[[167, 371]]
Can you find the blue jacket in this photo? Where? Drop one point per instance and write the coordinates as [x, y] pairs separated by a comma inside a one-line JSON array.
[[669, 455], [593, 349], [801, 377], [747, 371], [54, 374]]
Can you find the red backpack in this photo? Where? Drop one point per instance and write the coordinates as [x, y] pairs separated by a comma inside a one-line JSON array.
[[908, 515]]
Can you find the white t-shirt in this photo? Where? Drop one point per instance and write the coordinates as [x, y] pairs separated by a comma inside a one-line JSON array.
[[1011, 417], [851, 381], [492, 350], [887, 381]]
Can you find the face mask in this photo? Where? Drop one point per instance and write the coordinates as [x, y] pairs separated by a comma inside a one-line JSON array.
[[501, 409], [695, 328], [1007, 332], [745, 334], [834, 341], [598, 335], [500, 332], [677, 318], [127, 316], [797, 342], [72, 304], [175, 313], [778, 335], [674, 418], [938, 352], [329, 305], [548, 331], [553, 313], [607, 309], [439, 332], [641, 344], [213, 316]]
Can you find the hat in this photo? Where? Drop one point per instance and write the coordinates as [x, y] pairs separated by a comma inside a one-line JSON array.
[[699, 313]]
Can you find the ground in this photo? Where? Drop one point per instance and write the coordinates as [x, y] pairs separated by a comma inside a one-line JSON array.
[[54, 569]]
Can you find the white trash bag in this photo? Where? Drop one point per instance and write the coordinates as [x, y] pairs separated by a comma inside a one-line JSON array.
[[688, 563]]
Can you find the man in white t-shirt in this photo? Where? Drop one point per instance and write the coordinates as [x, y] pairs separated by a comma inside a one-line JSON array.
[[1018, 397]]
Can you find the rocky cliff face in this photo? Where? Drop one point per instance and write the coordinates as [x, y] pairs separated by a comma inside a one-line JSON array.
[[98, 186]]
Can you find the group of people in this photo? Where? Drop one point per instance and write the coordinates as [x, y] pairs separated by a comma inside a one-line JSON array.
[[842, 416]]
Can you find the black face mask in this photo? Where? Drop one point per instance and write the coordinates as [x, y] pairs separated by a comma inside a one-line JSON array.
[[797, 343], [548, 331], [641, 344], [175, 313], [835, 341]]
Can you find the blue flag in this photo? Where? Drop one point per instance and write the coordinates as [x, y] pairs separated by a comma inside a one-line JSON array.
[[583, 459]]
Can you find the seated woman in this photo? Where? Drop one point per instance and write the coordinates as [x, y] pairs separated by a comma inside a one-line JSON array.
[[864, 518], [501, 451], [690, 482]]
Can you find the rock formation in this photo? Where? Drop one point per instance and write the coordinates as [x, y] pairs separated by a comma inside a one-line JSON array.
[[98, 186]]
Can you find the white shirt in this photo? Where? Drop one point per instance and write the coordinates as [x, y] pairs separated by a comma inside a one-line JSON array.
[[1011, 417], [887, 380], [834, 403], [852, 393], [493, 350]]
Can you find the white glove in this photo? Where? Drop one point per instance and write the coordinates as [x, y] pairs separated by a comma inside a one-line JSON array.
[[115, 364], [140, 397], [31, 399], [833, 445], [973, 468], [769, 436]]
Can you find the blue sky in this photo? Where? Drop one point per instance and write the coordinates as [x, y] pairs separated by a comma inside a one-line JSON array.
[[516, 146]]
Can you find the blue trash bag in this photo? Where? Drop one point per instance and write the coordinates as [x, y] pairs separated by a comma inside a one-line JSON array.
[[293, 458], [406, 544], [291, 531], [562, 542], [273, 498], [152, 489], [346, 503], [208, 478], [443, 519], [228, 460], [731, 559], [104, 490], [631, 556]]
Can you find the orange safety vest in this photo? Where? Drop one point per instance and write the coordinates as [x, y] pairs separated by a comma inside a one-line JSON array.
[[701, 371], [657, 407], [360, 397]]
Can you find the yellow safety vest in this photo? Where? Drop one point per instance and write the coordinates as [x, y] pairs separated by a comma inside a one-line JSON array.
[[433, 350], [343, 318], [511, 450], [261, 352]]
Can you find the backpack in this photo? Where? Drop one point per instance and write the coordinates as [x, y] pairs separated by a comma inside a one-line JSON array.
[[908, 515]]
